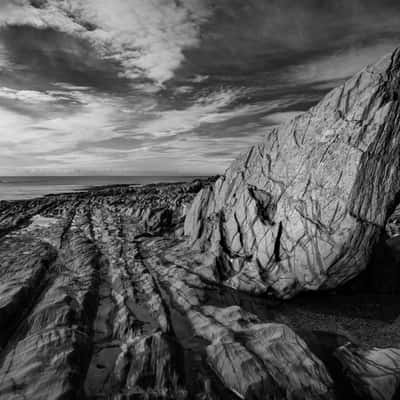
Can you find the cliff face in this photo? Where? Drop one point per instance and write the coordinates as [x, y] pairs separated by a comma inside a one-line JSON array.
[[304, 209]]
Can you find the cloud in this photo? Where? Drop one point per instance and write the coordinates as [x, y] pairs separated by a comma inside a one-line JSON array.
[[208, 111], [340, 65], [108, 133], [52, 132], [3, 58], [129, 85], [147, 38], [28, 96], [205, 109]]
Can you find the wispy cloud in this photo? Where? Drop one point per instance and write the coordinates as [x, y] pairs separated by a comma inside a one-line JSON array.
[[129, 85], [147, 38], [340, 65], [205, 109], [210, 111], [28, 96], [55, 132]]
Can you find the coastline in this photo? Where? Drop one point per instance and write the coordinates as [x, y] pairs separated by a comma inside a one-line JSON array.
[[25, 188], [359, 321]]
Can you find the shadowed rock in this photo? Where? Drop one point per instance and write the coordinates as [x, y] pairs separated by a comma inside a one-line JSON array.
[[374, 373]]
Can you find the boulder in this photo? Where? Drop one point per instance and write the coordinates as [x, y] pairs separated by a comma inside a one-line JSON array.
[[374, 373], [260, 360], [305, 208]]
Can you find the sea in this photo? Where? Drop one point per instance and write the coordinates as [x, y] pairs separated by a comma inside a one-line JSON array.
[[28, 187]]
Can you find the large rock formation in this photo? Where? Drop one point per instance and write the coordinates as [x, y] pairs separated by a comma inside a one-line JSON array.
[[304, 209], [101, 299]]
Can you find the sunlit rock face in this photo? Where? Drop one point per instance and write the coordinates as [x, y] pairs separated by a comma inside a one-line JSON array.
[[303, 209]]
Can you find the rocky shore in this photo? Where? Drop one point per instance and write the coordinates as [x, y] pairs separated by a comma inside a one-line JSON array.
[[278, 280]]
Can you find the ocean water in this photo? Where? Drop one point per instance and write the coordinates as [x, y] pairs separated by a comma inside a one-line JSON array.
[[23, 187]]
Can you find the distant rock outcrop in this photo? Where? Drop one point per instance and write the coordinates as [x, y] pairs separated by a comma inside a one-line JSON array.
[[304, 209]]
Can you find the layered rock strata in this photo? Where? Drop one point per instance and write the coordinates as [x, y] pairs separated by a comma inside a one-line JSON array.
[[101, 298]]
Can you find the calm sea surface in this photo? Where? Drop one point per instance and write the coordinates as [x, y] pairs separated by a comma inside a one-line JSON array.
[[22, 187]]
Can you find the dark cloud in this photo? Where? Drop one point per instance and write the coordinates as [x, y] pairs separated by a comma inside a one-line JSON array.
[[38, 3], [41, 57], [254, 43]]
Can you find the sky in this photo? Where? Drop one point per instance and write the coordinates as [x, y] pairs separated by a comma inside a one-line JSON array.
[[170, 87]]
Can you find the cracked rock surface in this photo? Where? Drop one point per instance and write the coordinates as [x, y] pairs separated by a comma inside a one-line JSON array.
[[304, 209], [101, 297]]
